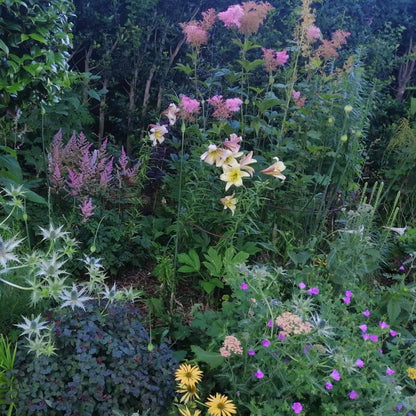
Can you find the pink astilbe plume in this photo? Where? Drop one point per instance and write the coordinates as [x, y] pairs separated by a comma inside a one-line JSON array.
[[232, 16], [253, 17], [313, 33], [75, 182], [273, 59], [124, 172], [224, 108], [87, 209], [196, 31], [329, 48], [189, 107]]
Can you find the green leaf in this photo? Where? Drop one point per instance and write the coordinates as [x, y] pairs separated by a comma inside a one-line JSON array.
[[94, 94], [190, 260], [37, 37], [394, 307], [4, 47], [213, 359], [213, 262]]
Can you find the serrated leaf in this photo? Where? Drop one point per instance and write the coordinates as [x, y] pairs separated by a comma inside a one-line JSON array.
[[394, 308], [190, 260], [213, 359]]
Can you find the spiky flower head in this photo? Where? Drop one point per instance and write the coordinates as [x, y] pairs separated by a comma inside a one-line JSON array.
[[188, 374]]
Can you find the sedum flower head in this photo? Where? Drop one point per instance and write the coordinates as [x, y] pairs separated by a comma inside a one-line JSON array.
[[220, 405]]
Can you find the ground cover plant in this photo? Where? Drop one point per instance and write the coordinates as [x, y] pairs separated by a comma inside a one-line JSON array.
[[280, 274]]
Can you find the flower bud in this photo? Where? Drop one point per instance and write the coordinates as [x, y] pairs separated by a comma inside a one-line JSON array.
[[344, 138], [331, 120], [348, 109], [93, 249]]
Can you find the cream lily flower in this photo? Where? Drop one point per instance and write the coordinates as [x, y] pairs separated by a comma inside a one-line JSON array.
[[276, 169], [215, 155], [233, 175], [248, 160], [171, 113], [229, 202], [233, 142], [157, 134]]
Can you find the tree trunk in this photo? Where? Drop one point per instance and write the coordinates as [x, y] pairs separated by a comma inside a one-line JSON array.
[[103, 106]]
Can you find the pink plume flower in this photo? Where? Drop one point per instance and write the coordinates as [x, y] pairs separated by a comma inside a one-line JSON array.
[[313, 33], [190, 107], [232, 16], [87, 209]]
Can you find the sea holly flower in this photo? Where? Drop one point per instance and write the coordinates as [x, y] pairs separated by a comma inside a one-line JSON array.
[[157, 134], [6, 250], [74, 297], [233, 175], [230, 202], [53, 233], [276, 169], [171, 113], [32, 326]]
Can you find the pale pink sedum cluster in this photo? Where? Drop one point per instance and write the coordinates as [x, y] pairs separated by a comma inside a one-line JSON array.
[[231, 345], [291, 324]]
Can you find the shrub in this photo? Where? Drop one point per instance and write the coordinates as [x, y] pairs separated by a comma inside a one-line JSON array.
[[104, 362]]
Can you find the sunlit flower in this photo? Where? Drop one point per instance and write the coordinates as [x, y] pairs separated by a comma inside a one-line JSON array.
[[188, 392], [233, 175], [220, 405], [246, 161], [230, 202], [74, 297], [215, 155], [157, 134], [6, 250], [233, 143], [411, 373], [188, 375], [276, 169], [187, 412], [32, 326], [171, 113]]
